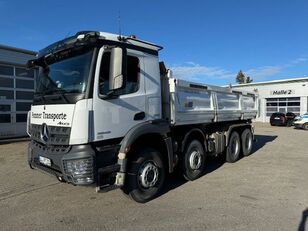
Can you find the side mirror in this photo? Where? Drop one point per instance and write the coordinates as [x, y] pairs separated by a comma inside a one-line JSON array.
[[31, 64], [116, 76]]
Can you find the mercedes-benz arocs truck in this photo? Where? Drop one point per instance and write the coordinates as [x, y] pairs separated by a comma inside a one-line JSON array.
[[107, 113]]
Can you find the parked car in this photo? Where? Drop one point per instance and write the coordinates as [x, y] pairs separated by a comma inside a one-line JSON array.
[[302, 122], [300, 116], [279, 118], [290, 118]]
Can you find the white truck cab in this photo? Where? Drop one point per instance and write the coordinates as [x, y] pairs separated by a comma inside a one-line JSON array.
[[107, 113]]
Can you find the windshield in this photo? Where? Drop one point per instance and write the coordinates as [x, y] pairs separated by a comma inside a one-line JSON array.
[[66, 72]]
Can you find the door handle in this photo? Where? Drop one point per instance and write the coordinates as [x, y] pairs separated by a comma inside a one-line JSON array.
[[139, 116]]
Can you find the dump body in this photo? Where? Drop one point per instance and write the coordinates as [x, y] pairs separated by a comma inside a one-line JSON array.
[[193, 103]]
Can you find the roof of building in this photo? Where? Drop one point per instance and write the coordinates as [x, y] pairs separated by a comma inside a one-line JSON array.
[[20, 50], [302, 79]]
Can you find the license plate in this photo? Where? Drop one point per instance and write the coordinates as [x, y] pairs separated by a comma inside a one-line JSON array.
[[277, 118], [45, 161]]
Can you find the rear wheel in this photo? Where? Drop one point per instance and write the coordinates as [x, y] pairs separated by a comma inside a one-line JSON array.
[[305, 126], [246, 139], [193, 160], [234, 148], [146, 175]]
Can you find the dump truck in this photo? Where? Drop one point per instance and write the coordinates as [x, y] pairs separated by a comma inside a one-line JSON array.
[[107, 113]]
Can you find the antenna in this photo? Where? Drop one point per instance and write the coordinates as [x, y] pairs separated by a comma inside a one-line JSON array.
[[119, 24]]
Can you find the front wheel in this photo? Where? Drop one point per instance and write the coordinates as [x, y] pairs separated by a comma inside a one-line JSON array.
[[146, 175], [305, 126], [193, 161]]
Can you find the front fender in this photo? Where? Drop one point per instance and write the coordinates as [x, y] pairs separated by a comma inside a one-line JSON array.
[[161, 128]]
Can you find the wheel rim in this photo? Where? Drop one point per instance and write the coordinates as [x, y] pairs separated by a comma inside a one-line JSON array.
[[195, 159], [148, 175]]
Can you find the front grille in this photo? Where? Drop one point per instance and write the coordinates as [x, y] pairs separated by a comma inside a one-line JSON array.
[[56, 135], [53, 149]]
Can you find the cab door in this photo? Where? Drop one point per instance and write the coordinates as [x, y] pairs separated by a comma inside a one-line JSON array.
[[115, 114]]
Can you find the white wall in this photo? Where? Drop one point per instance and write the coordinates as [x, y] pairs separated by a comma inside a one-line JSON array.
[[290, 89]]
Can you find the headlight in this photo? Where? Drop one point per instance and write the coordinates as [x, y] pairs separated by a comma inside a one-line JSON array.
[[81, 170]]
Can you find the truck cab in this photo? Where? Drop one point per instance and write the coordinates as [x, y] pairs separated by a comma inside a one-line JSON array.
[[91, 90]]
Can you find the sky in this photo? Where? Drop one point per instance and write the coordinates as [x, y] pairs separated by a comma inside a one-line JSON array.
[[205, 41]]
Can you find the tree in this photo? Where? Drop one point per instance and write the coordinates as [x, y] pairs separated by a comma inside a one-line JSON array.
[[249, 80], [240, 78]]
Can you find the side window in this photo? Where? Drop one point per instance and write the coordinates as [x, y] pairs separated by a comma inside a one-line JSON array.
[[132, 75], [104, 74], [133, 72]]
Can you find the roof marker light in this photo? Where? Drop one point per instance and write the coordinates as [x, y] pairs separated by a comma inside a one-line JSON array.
[[81, 36]]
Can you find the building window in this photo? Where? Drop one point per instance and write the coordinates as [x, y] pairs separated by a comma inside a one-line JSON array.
[[23, 72], [283, 105], [5, 108], [6, 70], [20, 118], [6, 82], [5, 94], [22, 106], [5, 118], [24, 95], [26, 84]]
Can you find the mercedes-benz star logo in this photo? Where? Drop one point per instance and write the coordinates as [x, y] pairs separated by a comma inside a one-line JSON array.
[[44, 133]]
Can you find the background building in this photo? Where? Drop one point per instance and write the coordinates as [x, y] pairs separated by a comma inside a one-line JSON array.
[[16, 90], [289, 95]]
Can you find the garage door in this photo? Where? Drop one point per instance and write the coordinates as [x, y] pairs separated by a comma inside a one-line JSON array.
[[290, 104], [16, 94]]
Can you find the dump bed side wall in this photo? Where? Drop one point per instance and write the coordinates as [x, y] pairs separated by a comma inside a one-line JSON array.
[[191, 103]]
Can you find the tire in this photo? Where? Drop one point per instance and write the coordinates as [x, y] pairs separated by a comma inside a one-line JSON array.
[[146, 175], [193, 160], [234, 148], [246, 140], [305, 126]]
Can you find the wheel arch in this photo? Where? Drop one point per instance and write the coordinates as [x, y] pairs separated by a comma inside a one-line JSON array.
[[155, 135], [195, 133]]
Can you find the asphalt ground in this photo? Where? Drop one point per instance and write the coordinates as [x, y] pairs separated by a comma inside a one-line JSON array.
[[265, 191]]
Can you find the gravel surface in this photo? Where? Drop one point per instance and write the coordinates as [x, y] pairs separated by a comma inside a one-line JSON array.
[[265, 191]]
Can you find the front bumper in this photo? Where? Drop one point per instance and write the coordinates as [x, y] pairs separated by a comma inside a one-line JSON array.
[[73, 164], [298, 125]]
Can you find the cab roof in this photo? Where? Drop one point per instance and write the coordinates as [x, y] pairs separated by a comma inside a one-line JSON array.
[[96, 37]]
